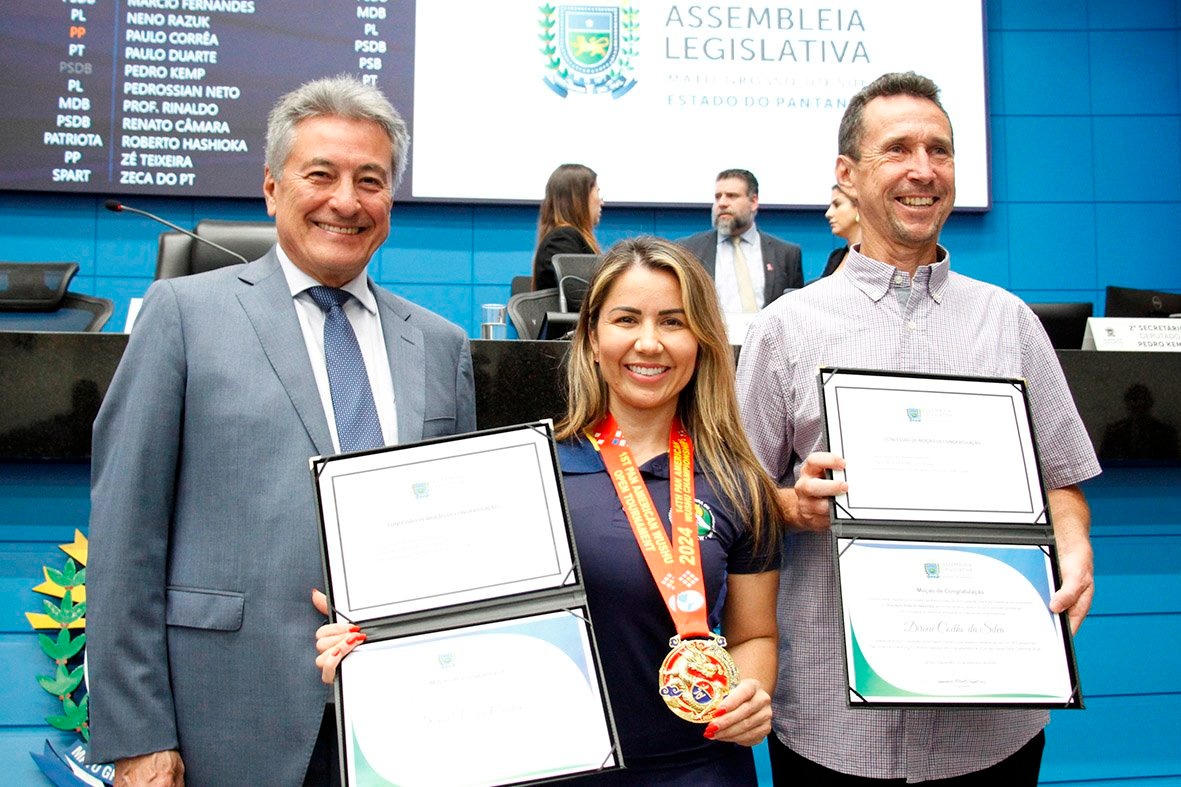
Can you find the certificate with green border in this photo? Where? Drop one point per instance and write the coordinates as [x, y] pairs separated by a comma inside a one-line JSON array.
[[952, 623], [943, 544]]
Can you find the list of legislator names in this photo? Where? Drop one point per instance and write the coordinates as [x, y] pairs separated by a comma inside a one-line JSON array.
[[171, 96]]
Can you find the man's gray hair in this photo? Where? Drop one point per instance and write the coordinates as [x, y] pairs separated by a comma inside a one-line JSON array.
[[340, 96], [893, 84]]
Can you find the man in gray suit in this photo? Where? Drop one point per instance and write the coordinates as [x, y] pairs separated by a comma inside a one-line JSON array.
[[750, 268], [204, 544]]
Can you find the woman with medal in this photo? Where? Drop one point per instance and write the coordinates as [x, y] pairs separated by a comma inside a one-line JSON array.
[[651, 389], [676, 524]]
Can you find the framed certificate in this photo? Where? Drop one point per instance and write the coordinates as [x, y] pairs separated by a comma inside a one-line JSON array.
[[509, 702], [456, 559], [944, 545], [444, 523]]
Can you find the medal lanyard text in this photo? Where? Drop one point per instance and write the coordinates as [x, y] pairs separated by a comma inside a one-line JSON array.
[[674, 568]]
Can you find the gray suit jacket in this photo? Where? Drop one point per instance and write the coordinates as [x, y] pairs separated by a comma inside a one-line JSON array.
[[786, 271], [204, 539]]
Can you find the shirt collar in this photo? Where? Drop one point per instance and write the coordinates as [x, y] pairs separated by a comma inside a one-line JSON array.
[[299, 282], [874, 277], [577, 457], [751, 236]]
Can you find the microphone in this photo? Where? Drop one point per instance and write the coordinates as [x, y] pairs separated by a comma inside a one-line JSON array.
[[115, 206]]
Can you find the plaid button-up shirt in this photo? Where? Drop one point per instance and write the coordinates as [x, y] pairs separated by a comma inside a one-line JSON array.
[[950, 324]]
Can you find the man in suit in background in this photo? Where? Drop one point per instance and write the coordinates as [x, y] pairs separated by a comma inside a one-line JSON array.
[[204, 538], [750, 268]]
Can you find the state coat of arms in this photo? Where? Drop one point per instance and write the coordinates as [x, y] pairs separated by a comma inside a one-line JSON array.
[[589, 49]]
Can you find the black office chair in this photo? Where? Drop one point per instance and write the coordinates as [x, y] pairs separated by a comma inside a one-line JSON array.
[[574, 272], [520, 284], [180, 255], [527, 310], [1065, 323], [35, 296]]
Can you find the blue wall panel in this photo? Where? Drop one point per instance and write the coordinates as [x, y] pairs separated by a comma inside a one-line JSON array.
[[15, 745], [1131, 244], [1045, 15], [976, 241], [1122, 738], [1134, 72], [1105, 14], [1134, 161], [1055, 163], [41, 227], [1057, 237], [1039, 65], [998, 146], [40, 508], [432, 246], [1113, 658]]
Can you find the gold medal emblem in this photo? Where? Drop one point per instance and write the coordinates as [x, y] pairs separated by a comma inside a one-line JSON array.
[[696, 676]]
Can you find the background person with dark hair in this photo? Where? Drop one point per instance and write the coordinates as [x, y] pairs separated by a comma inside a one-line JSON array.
[[567, 219], [845, 220], [750, 268]]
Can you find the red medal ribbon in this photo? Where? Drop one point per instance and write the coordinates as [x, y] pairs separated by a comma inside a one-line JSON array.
[[675, 565]]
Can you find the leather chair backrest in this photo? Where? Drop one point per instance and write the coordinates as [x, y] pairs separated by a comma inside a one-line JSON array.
[[35, 296], [1065, 323], [520, 284], [180, 255]]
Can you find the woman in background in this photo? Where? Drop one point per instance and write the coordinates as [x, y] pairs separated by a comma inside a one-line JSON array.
[[845, 221], [567, 220]]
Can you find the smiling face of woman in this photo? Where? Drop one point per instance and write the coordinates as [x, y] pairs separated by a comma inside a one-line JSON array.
[[643, 345]]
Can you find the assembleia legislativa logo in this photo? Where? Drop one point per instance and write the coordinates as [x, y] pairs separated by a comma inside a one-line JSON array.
[[589, 49]]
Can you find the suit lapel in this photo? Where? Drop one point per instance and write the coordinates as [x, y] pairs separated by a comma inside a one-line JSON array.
[[710, 258], [267, 303], [405, 346], [770, 265]]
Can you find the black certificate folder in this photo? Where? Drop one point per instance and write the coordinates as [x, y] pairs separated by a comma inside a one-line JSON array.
[[456, 559], [944, 544]]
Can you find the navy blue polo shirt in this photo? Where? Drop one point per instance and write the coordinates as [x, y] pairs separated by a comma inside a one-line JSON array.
[[631, 622]]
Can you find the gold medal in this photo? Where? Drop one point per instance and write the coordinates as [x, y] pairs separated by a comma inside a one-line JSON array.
[[698, 673], [696, 676]]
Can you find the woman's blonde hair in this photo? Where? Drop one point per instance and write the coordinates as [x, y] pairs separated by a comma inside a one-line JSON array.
[[708, 404]]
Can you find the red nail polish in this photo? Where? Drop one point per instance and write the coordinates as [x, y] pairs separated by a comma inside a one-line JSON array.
[[336, 652], [356, 638], [719, 712], [711, 731], [354, 629]]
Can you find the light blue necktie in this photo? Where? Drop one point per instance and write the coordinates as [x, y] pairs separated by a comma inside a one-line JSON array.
[[357, 427]]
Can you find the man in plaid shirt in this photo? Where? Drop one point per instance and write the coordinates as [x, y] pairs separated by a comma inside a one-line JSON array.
[[897, 306]]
